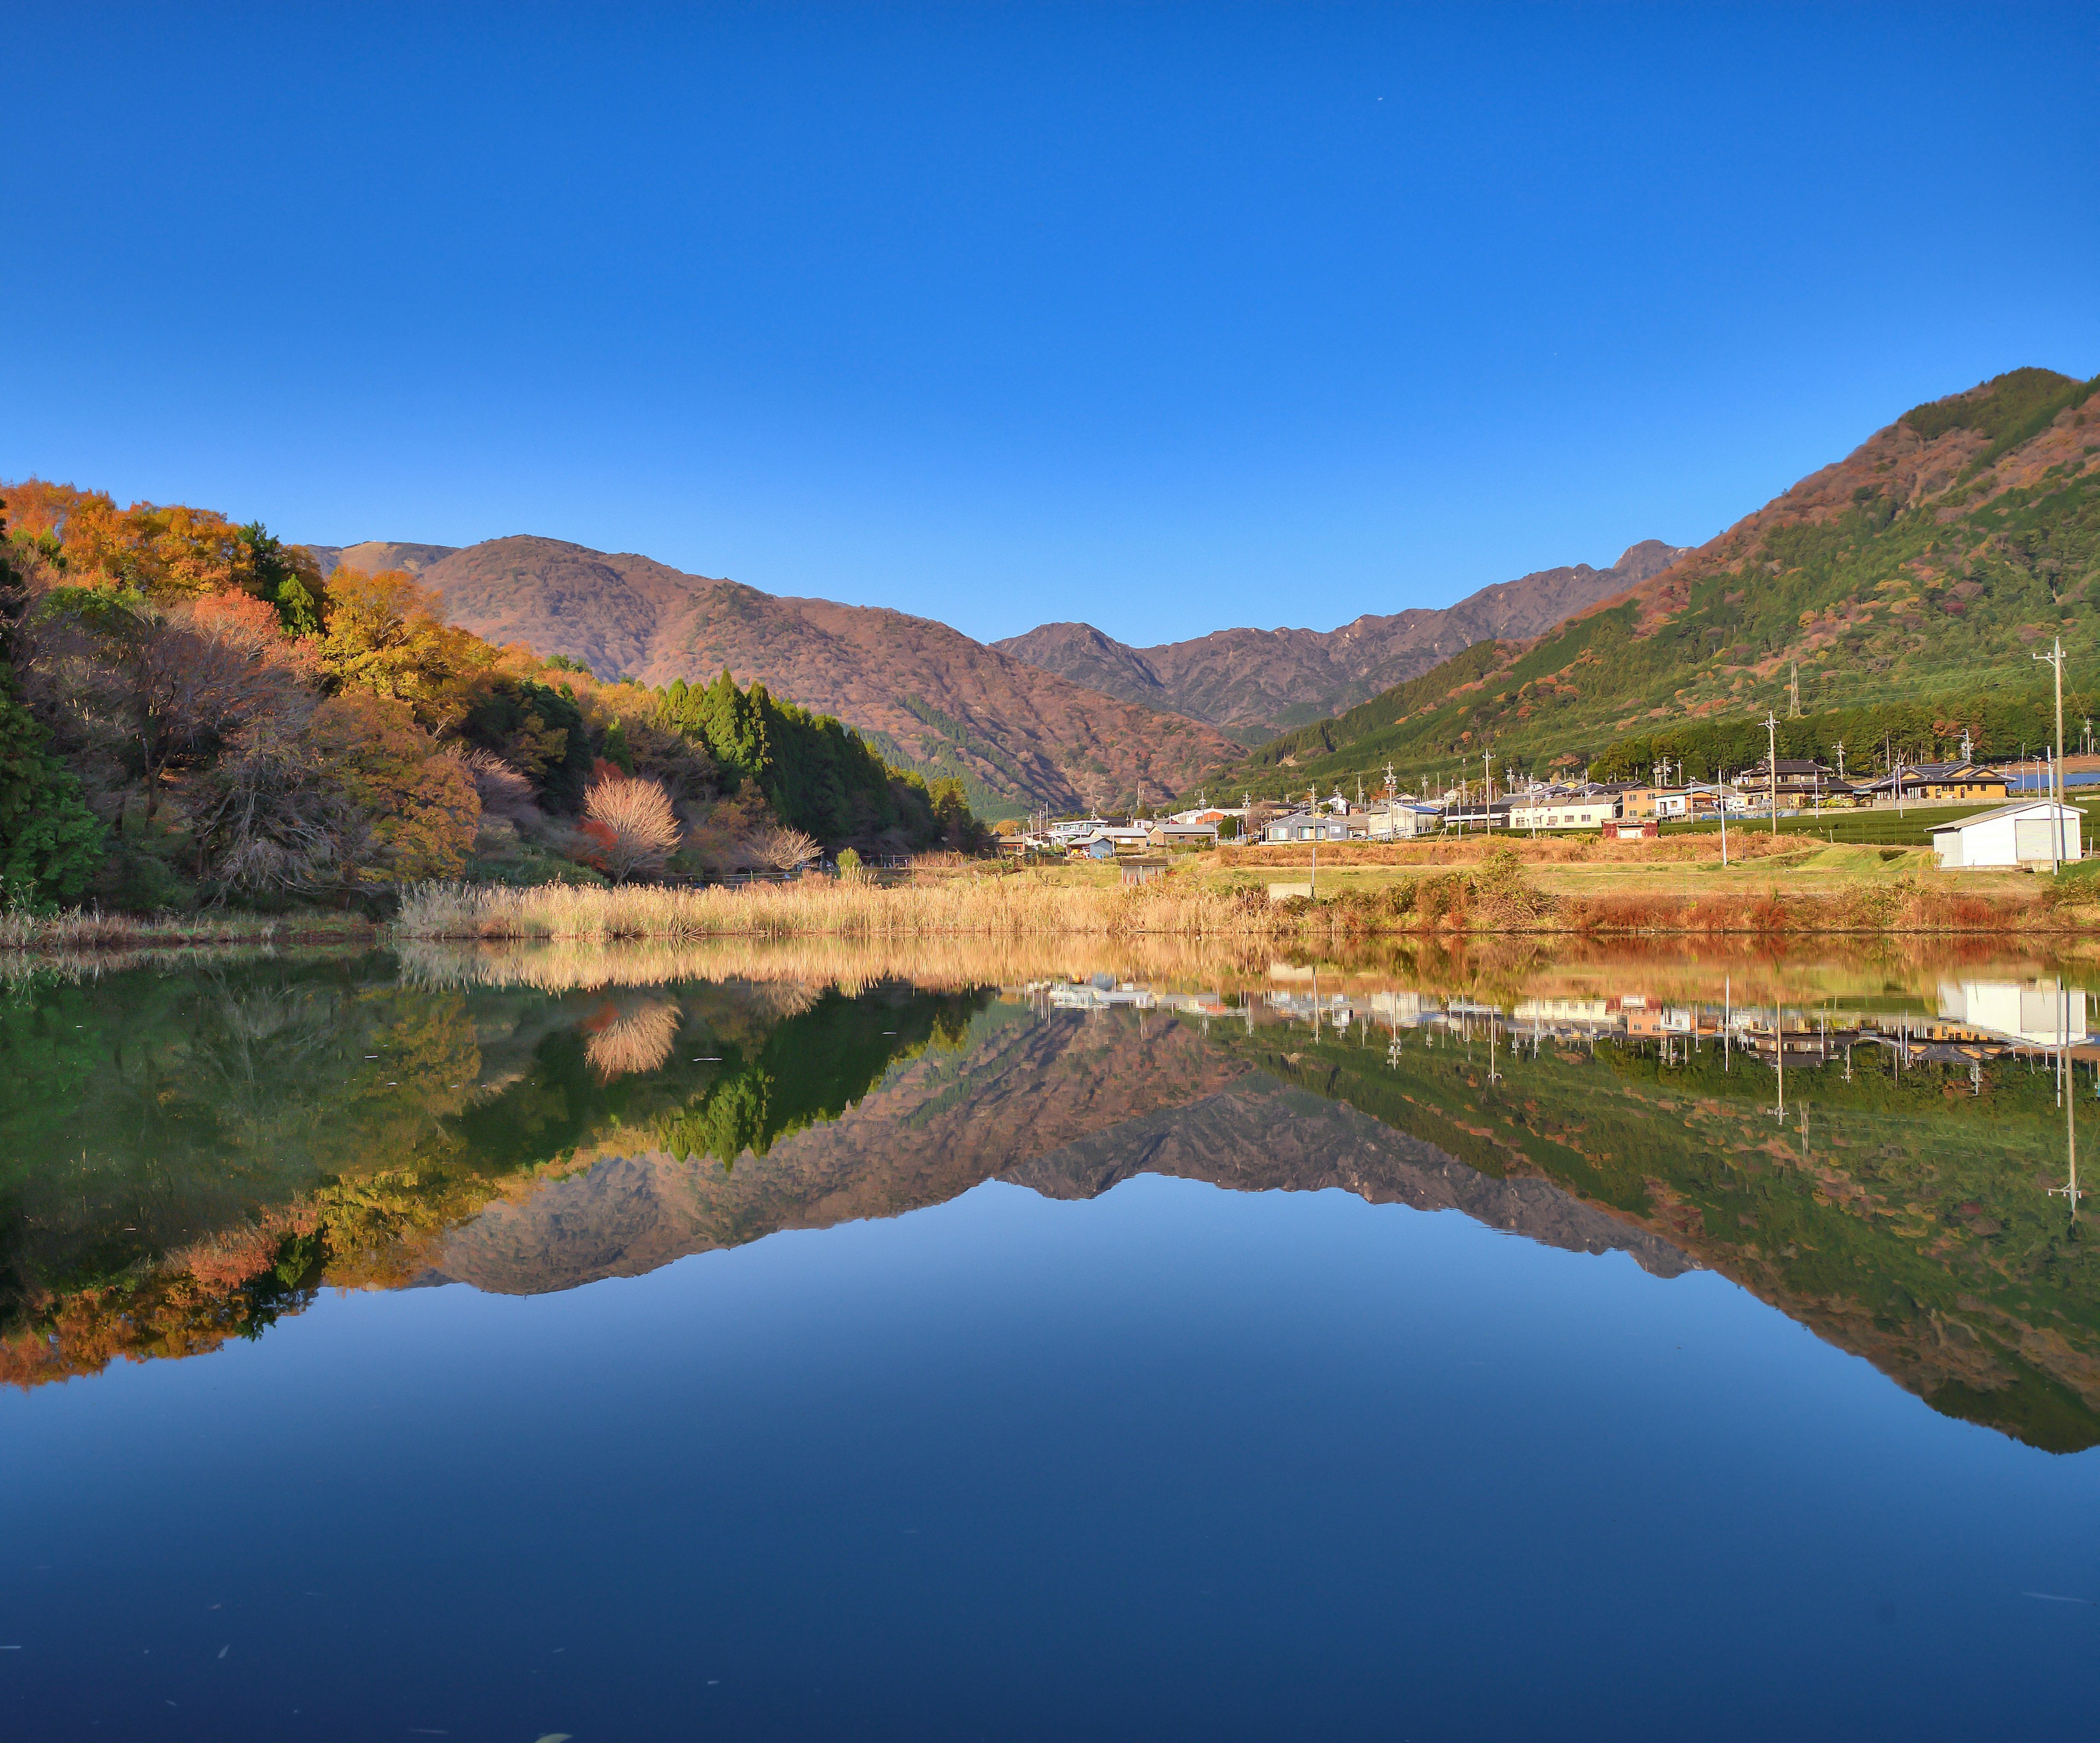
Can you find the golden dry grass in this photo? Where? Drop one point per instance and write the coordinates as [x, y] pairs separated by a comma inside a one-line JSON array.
[[1497, 897], [1014, 906]]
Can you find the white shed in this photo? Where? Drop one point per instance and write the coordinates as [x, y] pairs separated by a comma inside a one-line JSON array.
[[2031, 834], [1404, 822]]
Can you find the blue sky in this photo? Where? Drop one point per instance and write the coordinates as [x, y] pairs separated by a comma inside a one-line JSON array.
[[1163, 317]]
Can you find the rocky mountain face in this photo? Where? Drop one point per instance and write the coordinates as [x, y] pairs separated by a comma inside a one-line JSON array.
[[927, 695], [1253, 683], [1065, 1105]]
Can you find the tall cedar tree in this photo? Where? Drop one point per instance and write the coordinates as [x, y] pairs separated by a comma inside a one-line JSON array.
[[50, 844]]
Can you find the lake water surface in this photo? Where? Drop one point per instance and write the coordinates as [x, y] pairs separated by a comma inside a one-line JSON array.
[[1434, 1348]]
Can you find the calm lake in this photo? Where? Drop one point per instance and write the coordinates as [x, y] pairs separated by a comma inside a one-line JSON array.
[[652, 1346]]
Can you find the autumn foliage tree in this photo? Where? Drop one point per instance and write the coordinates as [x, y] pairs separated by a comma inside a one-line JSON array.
[[383, 634], [422, 805], [169, 554], [168, 686]]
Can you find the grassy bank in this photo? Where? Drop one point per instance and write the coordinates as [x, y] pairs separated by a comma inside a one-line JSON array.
[[90, 929], [1557, 888]]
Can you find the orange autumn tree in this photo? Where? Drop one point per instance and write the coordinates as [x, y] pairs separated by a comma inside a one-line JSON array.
[[168, 554]]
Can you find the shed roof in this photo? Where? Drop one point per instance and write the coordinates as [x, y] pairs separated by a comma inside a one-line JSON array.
[[2067, 813]]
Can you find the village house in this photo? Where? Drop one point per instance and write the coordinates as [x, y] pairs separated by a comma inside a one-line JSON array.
[[1925, 783], [1470, 814], [1567, 811], [1403, 822], [1797, 782], [1679, 805]]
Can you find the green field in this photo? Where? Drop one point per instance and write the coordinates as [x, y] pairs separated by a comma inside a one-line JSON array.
[[1912, 828]]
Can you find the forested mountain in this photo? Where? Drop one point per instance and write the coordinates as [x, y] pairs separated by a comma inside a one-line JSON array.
[[1908, 586], [1253, 683], [927, 695]]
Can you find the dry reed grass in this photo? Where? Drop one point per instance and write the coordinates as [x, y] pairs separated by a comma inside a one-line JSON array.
[[1011, 907], [85, 929], [1493, 898]]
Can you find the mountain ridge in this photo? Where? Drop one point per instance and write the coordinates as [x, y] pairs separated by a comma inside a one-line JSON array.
[[927, 695], [1914, 576], [1254, 683]]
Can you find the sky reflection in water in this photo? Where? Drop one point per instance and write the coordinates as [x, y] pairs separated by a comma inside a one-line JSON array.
[[1082, 1444]]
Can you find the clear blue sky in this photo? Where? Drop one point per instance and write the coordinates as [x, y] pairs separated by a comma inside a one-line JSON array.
[[1163, 317]]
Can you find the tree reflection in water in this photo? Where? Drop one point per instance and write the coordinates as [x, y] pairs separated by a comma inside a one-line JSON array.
[[192, 1154]]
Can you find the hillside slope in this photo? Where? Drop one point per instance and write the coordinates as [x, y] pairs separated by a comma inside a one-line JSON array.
[[377, 555], [1920, 572], [1254, 683], [927, 695]]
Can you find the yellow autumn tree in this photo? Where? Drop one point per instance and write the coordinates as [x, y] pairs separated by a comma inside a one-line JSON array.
[[383, 634], [421, 807]]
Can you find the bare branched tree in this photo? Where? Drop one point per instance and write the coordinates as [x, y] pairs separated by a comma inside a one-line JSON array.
[[504, 791], [783, 848], [170, 686], [271, 814], [633, 825]]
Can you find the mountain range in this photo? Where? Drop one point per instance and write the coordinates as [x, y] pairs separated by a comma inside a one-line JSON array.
[[1929, 563], [1063, 716], [1254, 683], [928, 697]]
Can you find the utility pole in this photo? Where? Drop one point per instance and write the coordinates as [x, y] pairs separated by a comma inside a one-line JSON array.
[[1312, 885], [1487, 791], [2055, 658], [1841, 759], [1772, 766]]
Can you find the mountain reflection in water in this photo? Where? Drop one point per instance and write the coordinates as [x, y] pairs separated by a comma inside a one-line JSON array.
[[1891, 1161]]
